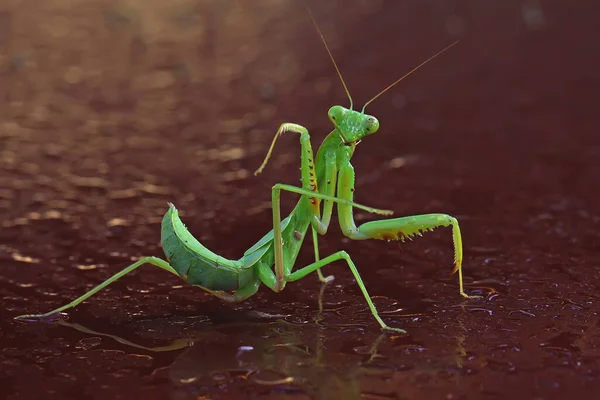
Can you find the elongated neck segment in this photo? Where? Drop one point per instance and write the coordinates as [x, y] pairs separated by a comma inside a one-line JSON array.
[[334, 143]]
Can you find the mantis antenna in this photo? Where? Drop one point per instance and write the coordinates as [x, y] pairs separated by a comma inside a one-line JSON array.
[[330, 55], [406, 75]]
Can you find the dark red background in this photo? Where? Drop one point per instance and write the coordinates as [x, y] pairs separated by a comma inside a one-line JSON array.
[[109, 109]]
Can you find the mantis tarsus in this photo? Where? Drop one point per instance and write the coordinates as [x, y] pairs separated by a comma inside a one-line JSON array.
[[327, 179]]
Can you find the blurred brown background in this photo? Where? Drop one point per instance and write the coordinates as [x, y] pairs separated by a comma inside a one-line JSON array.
[[110, 109]]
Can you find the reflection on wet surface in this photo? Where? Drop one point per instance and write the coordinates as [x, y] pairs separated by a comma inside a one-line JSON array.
[[110, 109]]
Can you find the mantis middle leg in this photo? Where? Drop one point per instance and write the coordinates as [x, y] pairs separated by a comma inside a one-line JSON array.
[[342, 255]]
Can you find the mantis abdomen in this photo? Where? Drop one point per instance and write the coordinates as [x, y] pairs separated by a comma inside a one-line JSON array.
[[196, 264]]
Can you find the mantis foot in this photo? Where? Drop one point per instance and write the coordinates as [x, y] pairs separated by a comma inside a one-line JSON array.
[[387, 328], [48, 318], [463, 294]]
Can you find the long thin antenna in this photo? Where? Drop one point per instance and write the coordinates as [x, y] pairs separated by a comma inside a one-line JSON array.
[[330, 55], [407, 74]]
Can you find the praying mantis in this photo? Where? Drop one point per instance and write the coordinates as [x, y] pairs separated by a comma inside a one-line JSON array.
[[327, 179]]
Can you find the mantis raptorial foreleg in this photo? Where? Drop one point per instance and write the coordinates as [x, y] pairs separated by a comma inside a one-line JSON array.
[[309, 175], [308, 182], [309, 185]]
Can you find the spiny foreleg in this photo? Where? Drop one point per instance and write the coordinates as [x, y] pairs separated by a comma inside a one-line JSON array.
[[310, 188]]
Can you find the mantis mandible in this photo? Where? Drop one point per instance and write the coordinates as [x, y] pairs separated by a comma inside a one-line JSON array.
[[327, 179]]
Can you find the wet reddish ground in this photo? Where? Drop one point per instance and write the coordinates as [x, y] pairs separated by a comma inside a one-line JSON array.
[[110, 109]]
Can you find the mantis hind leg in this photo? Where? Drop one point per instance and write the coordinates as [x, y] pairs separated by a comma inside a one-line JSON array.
[[342, 255], [146, 260]]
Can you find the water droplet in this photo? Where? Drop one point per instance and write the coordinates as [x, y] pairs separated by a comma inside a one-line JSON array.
[[221, 376], [86, 267], [117, 222], [123, 194], [88, 343], [490, 312], [188, 380], [25, 259], [397, 162], [522, 312]]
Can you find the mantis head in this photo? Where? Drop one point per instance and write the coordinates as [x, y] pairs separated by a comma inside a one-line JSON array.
[[352, 125]]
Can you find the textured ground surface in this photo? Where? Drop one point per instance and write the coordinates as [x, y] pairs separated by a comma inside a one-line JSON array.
[[110, 109]]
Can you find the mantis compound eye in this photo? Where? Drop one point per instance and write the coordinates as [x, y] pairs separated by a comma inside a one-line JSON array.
[[371, 125], [336, 114]]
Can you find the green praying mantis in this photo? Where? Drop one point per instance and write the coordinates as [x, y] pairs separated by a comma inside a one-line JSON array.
[[327, 179]]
